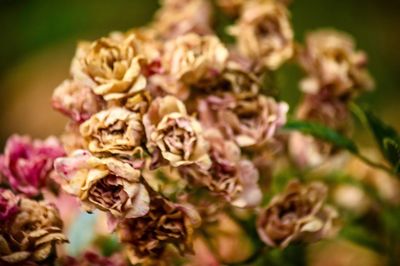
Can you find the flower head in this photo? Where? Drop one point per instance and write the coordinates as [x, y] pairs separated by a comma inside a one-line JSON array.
[[166, 223], [174, 134], [263, 33], [331, 62], [116, 131], [27, 163], [31, 234], [77, 102], [298, 214], [230, 175], [247, 119], [111, 67], [107, 184]]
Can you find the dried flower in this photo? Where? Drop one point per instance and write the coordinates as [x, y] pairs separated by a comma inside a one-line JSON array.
[[247, 119], [176, 135], [331, 62], [229, 176], [31, 235], [107, 184], [166, 223], [195, 60], [116, 131], [77, 102], [26, 164], [179, 17], [298, 214], [111, 67], [8, 205], [91, 258], [264, 33]]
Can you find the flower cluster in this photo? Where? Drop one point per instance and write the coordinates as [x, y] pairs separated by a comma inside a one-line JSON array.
[[171, 94], [172, 133], [336, 73]]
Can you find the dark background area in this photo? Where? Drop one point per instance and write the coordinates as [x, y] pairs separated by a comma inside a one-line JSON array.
[[38, 41]]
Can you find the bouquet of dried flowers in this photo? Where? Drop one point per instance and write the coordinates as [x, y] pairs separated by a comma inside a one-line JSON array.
[[179, 145]]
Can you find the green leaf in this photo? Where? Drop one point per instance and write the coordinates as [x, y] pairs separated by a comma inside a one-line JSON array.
[[387, 138], [361, 236], [322, 132]]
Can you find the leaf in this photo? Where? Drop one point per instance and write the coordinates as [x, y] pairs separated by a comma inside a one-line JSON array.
[[322, 132], [392, 150], [387, 138]]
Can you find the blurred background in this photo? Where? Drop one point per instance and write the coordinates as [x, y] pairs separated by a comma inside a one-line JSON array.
[[39, 38]]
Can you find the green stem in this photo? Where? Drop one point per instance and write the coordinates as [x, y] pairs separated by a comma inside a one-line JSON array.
[[374, 164]]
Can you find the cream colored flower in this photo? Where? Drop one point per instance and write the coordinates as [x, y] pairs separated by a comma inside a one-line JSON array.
[[107, 184], [195, 60], [30, 236], [251, 121], [298, 214], [110, 66], [332, 63], [116, 131], [179, 17], [77, 102], [263, 33], [174, 134]]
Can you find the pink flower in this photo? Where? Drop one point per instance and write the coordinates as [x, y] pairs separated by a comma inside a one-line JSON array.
[[94, 259], [8, 204], [26, 163]]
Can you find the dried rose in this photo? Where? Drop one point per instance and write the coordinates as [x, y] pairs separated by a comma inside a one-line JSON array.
[[166, 223], [331, 62], [31, 235], [91, 258], [8, 205], [174, 134], [107, 184], [297, 214], [76, 101], [249, 120], [179, 17], [230, 176], [111, 67], [26, 164], [195, 60], [116, 131], [263, 33]]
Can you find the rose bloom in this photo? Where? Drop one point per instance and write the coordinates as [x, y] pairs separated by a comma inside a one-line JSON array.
[[76, 101], [250, 120], [27, 163], [179, 17], [175, 135], [166, 223], [230, 175], [331, 61], [107, 184], [110, 66], [30, 235], [194, 59], [116, 131], [297, 214], [263, 33]]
